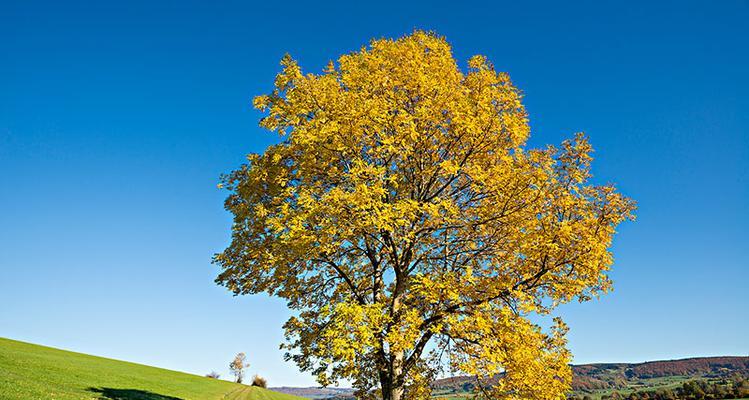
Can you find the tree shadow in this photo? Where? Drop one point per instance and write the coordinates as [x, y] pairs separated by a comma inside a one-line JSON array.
[[129, 394]]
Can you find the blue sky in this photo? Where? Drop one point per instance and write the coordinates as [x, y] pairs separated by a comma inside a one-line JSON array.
[[116, 120]]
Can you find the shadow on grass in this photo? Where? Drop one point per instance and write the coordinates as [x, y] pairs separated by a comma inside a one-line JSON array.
[[129, 394]]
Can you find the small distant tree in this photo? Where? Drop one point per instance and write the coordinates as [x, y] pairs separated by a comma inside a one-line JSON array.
[[259, 381], [213, 375], [237, 366]]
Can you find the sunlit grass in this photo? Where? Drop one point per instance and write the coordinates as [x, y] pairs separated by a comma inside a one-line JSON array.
[[29, 371]]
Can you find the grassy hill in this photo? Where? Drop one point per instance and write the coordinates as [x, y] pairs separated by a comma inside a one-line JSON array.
[[30, 371]]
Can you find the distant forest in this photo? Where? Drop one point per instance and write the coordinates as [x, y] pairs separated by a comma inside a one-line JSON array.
[[727, 388]]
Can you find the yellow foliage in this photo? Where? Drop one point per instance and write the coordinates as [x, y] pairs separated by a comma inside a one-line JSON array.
[[401, 212]]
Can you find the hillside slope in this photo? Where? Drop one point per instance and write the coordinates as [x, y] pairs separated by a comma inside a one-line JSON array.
[[29, 371], [598, 379], [606, 376]]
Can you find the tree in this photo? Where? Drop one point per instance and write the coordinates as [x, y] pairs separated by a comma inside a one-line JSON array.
[[237, 366], [404, 220]]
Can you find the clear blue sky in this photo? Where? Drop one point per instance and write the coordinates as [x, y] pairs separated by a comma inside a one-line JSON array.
[[117, 119]]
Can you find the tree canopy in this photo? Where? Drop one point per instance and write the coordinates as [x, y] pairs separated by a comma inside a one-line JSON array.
[[404, 219]]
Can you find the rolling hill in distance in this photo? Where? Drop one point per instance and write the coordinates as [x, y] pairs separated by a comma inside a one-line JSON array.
[[592, 379], [603, 378]]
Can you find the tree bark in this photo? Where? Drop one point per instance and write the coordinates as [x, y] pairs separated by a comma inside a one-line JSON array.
[[397, 393], [392, 390], [392, 382]]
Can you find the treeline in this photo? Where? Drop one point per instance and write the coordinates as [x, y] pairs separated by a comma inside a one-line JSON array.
[[706, 366], [730, 388]]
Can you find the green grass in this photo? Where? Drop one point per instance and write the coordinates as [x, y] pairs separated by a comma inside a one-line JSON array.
[[29, 371]]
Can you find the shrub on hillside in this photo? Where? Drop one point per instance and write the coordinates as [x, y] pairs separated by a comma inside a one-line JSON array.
[[213, 375], [259, 381]]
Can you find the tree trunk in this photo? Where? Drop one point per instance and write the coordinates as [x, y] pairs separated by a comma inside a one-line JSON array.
[[392, 391], [392, 382], [397, 393]]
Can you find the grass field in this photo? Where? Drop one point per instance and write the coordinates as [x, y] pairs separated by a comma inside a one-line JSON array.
[[30, 371]]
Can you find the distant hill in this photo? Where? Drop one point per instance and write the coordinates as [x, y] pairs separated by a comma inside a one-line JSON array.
[[592, 378], [602, 376], [316, 392], [29, 371]]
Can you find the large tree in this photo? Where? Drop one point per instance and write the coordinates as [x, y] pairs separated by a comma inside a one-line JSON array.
[[404, 220]]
